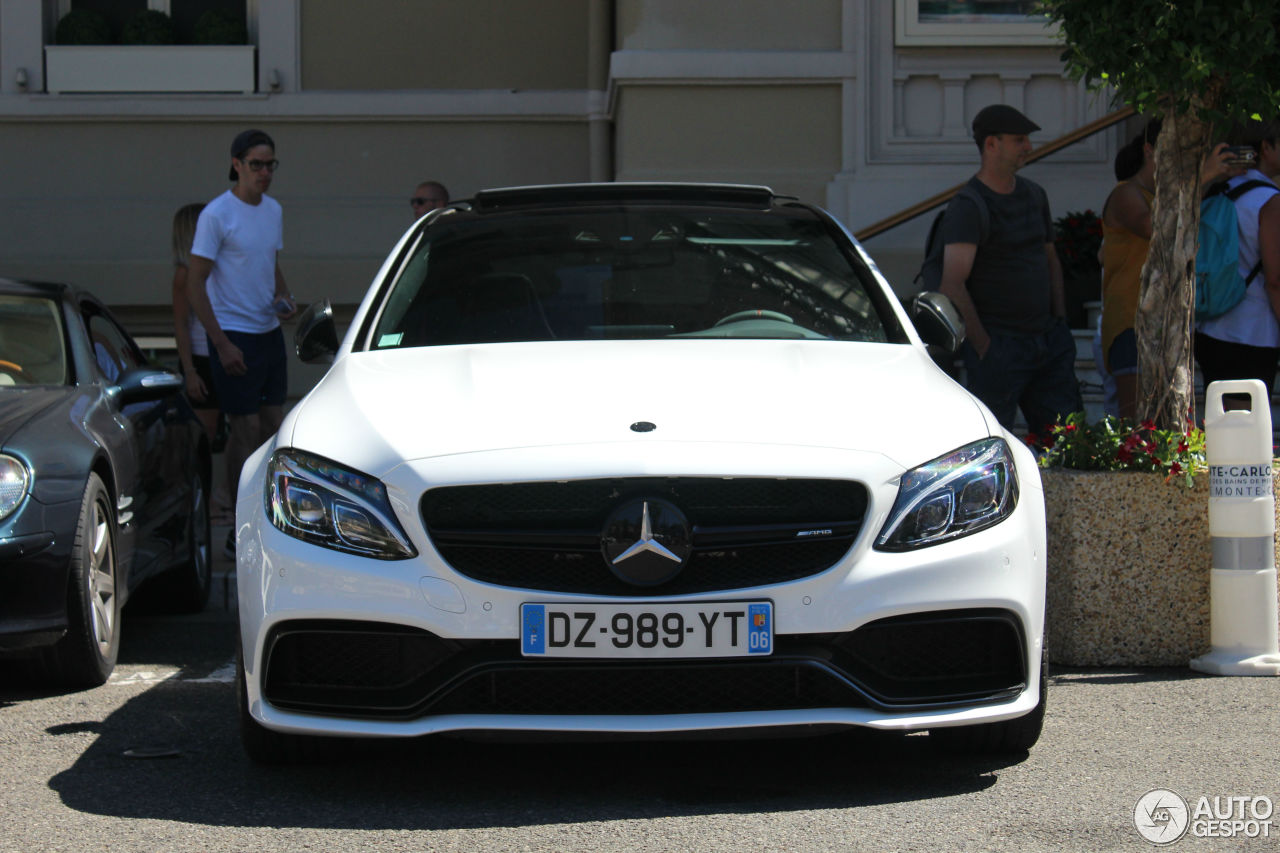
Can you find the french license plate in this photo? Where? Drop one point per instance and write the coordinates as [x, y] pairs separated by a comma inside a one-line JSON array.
[[702, 630]]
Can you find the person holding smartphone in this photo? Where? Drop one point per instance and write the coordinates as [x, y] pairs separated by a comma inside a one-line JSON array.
[[1126, 238], [1244, 343]]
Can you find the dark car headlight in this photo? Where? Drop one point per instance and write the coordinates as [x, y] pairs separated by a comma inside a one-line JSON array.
[[14, 480], [952, 496], [321, 502]]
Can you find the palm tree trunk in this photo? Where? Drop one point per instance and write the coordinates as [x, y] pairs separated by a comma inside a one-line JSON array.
[[1166, 389]]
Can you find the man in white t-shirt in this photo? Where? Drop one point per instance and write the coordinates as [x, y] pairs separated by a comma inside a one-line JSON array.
[[239, 295]]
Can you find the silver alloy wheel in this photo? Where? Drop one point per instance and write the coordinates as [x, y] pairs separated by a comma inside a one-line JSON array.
[[101, 578], [201, 564]]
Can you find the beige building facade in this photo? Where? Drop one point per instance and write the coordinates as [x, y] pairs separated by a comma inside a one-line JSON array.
[[855, 105]]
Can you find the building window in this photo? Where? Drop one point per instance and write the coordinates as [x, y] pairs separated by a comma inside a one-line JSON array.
[[185, 14]]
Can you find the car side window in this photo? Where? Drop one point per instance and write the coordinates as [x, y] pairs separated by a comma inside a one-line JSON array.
[[111, 346]]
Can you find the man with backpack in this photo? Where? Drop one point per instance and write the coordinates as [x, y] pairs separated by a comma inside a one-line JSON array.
[[995, 260], [1243, 342]]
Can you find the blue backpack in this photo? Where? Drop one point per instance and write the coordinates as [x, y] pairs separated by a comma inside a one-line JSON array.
[[1219, 287]]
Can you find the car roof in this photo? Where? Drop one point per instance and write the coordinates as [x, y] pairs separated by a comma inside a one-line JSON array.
[[46, 289], [559, 195]]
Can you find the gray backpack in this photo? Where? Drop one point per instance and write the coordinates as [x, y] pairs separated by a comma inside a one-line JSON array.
[[930, 275]]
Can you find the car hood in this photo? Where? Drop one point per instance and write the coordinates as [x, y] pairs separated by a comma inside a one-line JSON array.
[[18, 406], [373, 410]]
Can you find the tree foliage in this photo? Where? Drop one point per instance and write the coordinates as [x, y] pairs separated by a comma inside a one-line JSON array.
[[1203, 65], [1214, 59]]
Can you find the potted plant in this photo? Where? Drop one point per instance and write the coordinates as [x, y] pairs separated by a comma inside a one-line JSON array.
[[1077, 241], [1129, 552]]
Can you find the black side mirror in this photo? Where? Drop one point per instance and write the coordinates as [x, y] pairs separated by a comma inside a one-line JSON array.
[[937, 321], [144, 384], [316, 340]]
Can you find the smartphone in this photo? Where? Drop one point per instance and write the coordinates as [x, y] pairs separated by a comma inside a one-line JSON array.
[[282, 306], [1240, 155]]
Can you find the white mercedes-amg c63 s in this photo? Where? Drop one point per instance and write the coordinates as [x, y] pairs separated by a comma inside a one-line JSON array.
[[641, 459]]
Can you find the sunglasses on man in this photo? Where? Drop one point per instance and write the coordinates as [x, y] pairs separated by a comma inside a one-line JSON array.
[[259, 165]]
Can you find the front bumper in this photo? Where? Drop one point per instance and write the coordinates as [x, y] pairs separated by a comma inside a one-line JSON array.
[[342, 645], [35, 554]]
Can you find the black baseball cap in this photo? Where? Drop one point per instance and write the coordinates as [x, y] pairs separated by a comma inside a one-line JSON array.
[[246, 140], [1000, 118]]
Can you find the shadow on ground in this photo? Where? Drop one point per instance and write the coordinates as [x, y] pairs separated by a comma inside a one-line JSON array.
[[446, 783]]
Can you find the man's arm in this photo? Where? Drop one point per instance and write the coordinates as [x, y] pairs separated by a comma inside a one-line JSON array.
[[229, 354], [1057, 293], [282, 292], [957, 263]]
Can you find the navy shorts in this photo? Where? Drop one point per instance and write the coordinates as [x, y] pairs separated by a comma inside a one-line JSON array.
[[1122, 358], [265, 381], [1219, 359]]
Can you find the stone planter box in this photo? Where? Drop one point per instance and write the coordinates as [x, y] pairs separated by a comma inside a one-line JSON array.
[[149, 68], [1128, 569]]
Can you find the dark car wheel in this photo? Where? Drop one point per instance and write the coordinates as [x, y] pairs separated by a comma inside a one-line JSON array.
[[1003, 738], [86, 655], [191, 579], [264, 746]]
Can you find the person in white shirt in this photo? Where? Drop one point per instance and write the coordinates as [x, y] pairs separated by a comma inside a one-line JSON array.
[[239, 295], [1244, 343]]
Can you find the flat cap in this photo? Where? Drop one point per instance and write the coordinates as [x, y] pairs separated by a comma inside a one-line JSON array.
[[1001, 118]]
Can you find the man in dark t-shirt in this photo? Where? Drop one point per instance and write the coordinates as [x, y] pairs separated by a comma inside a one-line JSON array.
[[1002, 272]]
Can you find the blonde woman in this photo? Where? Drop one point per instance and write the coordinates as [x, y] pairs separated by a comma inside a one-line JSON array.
[[193, 344]]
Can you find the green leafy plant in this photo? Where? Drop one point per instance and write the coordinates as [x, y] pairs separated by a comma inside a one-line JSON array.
[[148, 27], [82, 26], [1078, 237], [1201, 66], [218, 26], [1113, 444]]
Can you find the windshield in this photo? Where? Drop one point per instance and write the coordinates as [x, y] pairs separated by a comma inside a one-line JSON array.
[[32, 350], [628, 272]]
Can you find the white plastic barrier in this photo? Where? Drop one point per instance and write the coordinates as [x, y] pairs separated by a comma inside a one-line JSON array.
[[1242, 526]]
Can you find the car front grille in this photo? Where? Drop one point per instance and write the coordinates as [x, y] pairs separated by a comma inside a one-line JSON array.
[[375, 671], [547, 536]]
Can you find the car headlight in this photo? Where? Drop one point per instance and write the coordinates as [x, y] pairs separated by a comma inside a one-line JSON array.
[[953, 496], [14, 479], [319, 501]]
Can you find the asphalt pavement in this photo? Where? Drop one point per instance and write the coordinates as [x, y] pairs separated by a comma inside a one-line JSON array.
[[151, 761]]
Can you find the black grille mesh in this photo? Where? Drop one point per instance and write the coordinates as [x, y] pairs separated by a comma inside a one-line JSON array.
[[567, 571], [358, 670], [517, 518]]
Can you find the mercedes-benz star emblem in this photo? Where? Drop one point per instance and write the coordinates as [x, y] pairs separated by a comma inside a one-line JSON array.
[[646, 541]]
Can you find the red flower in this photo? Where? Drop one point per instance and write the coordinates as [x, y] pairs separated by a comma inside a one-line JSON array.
[[1125, 455], [1182, 446], [1069, 428], [1175, 468]]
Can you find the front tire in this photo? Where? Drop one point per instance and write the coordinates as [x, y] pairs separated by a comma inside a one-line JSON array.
[[1006, 737], [261, 744], [86, 654]]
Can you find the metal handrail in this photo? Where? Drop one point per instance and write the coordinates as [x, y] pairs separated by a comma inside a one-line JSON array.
[[943, 197]]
